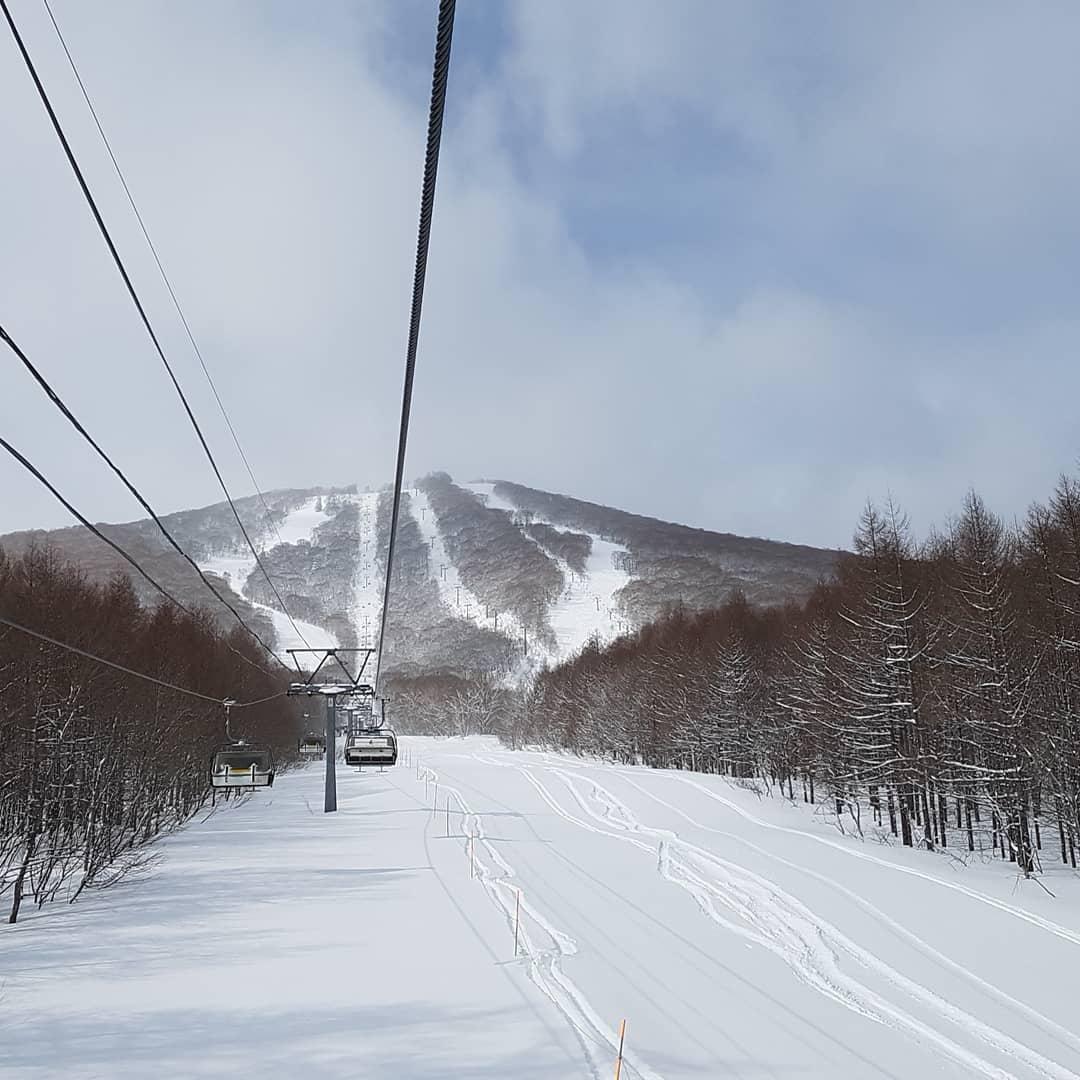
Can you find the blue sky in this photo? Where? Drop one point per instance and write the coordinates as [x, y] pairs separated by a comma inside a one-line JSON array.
[[741, 265]]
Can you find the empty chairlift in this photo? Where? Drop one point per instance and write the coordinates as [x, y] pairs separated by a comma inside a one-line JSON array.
[[312, 746], [376, 746], [242, 767]]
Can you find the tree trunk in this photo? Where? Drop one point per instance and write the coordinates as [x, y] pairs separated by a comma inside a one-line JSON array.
[[905, 815], [17, 892]]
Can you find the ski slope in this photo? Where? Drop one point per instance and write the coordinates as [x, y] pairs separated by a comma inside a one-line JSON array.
[[737, 936], [367, 608], [461, 600], [235, 567], [589, 605]]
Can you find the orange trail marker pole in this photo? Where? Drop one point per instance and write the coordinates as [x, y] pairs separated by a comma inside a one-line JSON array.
[[517, 920], [618, 1060]]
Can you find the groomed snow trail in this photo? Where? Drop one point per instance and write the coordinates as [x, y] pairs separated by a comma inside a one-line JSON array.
[[456, 596], [737, 936], [236, 566], [367, 608], [589, 604]]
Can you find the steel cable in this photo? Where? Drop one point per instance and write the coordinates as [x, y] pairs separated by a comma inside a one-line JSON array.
[[440, 74], [107, 236]]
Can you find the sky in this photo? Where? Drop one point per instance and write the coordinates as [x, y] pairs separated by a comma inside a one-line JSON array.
[[738, 265]]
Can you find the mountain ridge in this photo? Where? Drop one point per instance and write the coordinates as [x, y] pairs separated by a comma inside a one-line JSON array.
[[490, 576]]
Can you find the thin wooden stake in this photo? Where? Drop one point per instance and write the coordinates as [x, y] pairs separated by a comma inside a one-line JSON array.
[[517, 920], [618, 1060], [447, 815]]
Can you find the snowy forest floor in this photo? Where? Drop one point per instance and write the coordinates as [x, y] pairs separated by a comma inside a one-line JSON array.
[[738, 936]]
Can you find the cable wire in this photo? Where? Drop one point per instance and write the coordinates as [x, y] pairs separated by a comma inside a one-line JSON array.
[[130, 559], [441, 70], [55, 398], [129, 671], [107, 236], [161, 268]]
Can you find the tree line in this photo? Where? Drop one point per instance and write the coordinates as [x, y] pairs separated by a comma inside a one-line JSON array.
[[933, 688], [452, 705], [94, 764]]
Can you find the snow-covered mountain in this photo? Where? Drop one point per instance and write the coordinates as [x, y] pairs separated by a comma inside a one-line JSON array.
[[489, 575]]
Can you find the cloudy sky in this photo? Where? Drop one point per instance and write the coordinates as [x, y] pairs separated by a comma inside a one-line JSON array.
[[740, 265]]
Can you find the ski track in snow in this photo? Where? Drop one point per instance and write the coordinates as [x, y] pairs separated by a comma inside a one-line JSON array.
[[235, 567], [1063, 932], [544, 965], [1045, 1023], [808, 943], [1027, 916]]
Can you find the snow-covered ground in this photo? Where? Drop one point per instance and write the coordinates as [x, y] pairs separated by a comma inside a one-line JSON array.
[[487, 492], [367, 585], [588, 607], [236, 566], [738, 937]]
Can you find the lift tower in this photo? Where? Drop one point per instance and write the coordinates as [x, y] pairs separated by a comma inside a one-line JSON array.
[[330, 689]]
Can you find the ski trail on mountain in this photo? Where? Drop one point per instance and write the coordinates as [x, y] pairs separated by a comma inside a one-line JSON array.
[[367, 604]]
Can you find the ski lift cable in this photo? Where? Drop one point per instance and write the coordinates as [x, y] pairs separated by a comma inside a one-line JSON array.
[[440, 73], [59, 403], [161, 268], [130, 671], [128, 558], [107, 236]]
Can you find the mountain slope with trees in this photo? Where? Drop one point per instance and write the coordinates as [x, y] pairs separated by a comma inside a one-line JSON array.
[[520, 565]]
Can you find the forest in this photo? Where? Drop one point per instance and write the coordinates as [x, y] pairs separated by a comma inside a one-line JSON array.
[[95, 763], [930, 689]]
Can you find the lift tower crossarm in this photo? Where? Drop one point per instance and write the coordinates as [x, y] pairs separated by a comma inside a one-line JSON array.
[[325, 655]]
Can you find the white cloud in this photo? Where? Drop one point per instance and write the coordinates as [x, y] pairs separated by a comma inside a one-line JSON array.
[[763, 386]]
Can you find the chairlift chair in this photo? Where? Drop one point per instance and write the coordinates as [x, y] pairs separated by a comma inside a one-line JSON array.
[[237, 765], [312, 746], [374, 746], [242, 767]]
